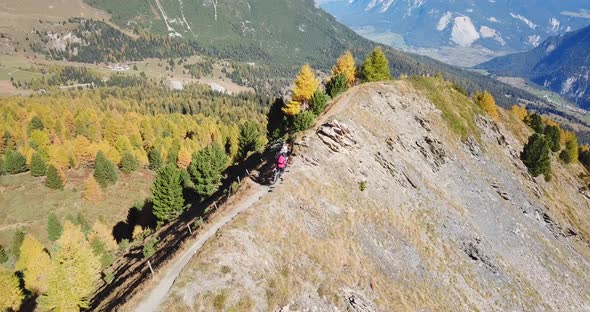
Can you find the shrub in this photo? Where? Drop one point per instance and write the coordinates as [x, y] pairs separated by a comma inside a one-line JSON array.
[[128, 163], [303, 121], [363, 186], [149, 249], [487, 103], [3, 255]]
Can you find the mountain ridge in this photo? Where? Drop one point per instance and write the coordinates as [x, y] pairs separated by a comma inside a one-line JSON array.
[[440, 224], [560, 64]]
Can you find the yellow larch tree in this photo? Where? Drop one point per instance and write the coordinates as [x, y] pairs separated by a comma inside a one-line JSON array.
[[11, 295], [75, 270], [292, 108], [184, 158], [519, 112], [101, 232], [92, 190], [35, 264], [487, 103], [305, 85], [345, 66]]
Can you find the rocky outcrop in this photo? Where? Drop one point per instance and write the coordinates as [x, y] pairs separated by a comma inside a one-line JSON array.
[[385, 208]]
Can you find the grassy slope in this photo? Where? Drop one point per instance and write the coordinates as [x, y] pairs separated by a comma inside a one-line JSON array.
[[25, 201]]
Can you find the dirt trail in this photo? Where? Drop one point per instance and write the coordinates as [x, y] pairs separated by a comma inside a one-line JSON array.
[[158, 293]]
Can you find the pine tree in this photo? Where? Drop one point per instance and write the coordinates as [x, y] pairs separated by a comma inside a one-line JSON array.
[[337, 85], [54, 180], [535, 121], [487, 103], [37, 123], [184, 158], [318, 102], [345, 66], [11, 295], [536, 156], [2, 169], [17, 241], [552, 135], [15, 162], [3, 255], [104, 170], [38, 166], [305, 85], [92, 190], [206, 169], [376, 67], [155, 158], [54, 227], [303, 121], [75, 270], [167, 194], [34, 263], [292, 108], [128, 163], [249, 139]]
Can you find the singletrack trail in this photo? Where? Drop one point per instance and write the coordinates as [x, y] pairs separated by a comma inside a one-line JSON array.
[[152, 300]]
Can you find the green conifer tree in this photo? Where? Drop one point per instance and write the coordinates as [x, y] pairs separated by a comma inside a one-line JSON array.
[[249, 139], [337, 85], [536, 156], [206, 169], [104, 170], [54, 180], [167, 194], [376, 67], [3, 255], [17, 241], [15, 162], [38, 166], [54, 227], [535, 121], [318, 102], [128, 163], [37, 123], [155, 158], [553, 137]]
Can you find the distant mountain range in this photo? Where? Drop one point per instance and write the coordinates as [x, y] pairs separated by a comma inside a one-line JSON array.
[[561, 63], [494, 25]]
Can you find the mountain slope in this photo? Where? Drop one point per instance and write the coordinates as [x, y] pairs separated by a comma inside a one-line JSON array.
[[441, 226], [286, 31], [499, 26], [561, 64]]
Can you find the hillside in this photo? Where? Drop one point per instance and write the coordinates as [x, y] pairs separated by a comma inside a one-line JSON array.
[[397, 201], [560, 64], [460, 32]]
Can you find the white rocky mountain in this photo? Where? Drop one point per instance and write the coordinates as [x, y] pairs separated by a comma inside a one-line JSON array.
[[488, 26]]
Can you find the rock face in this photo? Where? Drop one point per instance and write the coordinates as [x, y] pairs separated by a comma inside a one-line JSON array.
[[443, 224]]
